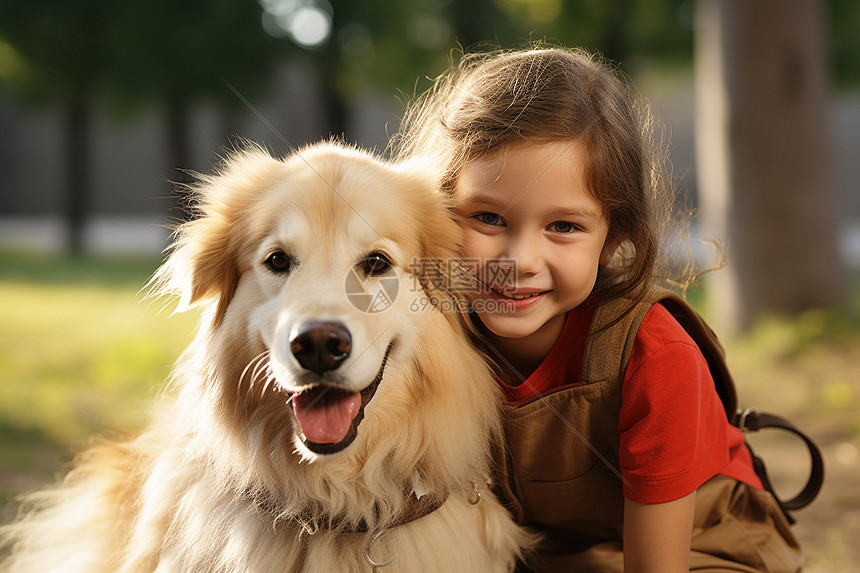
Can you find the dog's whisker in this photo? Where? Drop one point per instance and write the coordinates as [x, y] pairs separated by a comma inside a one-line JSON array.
[[242, 376], [268, 381], [254, 368], [262, 364], [264, 374]]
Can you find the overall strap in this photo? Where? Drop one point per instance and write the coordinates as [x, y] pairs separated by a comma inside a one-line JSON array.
[[710, 346], [613, 332], [610, 339]]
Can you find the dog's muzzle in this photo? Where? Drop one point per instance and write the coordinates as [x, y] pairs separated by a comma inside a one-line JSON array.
[[327, 414]]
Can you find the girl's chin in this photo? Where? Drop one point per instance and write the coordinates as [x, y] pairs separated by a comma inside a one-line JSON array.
[[519, 326], [508, 326]]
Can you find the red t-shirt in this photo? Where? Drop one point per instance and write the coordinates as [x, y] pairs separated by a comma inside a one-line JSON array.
[[673, 428]]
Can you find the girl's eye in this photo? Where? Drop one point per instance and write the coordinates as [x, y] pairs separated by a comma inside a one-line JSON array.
[[375, 264], [563, 227], [279, 262], [490, 219]]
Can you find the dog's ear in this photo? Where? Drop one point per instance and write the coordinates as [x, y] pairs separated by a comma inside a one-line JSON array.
[[439, 236], [442, 273], [442, 237], [204, 264]]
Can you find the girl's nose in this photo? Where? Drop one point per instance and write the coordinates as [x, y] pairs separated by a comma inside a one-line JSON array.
[[525, 250]]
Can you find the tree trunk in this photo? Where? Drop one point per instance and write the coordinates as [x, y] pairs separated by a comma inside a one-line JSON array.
[[763, 157], [333, 104], [77, 169], [178, 155]]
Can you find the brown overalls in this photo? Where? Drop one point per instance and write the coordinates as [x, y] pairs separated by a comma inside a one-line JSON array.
[[561, 476]]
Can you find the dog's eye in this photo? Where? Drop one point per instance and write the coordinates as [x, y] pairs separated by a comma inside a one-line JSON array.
[[279, 262], [375, 264]]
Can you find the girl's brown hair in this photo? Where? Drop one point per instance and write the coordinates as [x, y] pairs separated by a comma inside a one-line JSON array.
[[488, 102]]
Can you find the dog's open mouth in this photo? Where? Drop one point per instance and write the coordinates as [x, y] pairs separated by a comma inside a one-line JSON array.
[[329, 416]]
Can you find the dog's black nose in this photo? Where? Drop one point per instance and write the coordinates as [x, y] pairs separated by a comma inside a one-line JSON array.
[[320, 346]]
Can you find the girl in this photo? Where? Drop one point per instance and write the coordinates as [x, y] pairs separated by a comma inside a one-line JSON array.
[[547, 157]]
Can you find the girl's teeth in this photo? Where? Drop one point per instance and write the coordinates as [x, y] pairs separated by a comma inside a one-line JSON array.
[[522, 296], [515, 296]]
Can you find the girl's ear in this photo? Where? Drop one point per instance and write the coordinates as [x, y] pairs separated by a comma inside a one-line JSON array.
[[609, 248]]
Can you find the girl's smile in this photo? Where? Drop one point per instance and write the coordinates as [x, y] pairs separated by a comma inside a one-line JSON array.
[[517, 299], [531, 204]]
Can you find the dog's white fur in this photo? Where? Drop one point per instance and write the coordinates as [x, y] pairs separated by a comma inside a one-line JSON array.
[[221, 480]]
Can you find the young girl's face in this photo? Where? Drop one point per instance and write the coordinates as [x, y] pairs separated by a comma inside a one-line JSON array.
[[530, 203]]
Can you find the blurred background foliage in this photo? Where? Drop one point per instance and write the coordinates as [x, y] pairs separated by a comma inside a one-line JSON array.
[[156, 49], [178, 51]]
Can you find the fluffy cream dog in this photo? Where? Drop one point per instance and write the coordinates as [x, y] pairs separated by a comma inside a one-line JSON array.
[[327, 417]]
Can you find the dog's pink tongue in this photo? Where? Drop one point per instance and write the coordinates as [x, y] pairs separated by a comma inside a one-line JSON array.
[[325, 417]]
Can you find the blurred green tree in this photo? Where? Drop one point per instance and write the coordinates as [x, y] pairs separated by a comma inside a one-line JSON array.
[[176, 53], [60, 50], [73, 52], [397, 44]]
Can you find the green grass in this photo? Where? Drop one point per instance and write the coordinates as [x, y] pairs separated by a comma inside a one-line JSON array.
[[43, 269], [81, 353]]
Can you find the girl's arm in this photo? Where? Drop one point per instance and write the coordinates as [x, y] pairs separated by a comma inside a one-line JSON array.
[[657, 535]]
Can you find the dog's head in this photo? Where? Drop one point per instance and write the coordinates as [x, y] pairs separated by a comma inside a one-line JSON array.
[[318, 273]]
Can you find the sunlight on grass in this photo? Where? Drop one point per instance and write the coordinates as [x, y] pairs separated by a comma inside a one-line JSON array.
[[78, 358], [81, 355]]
